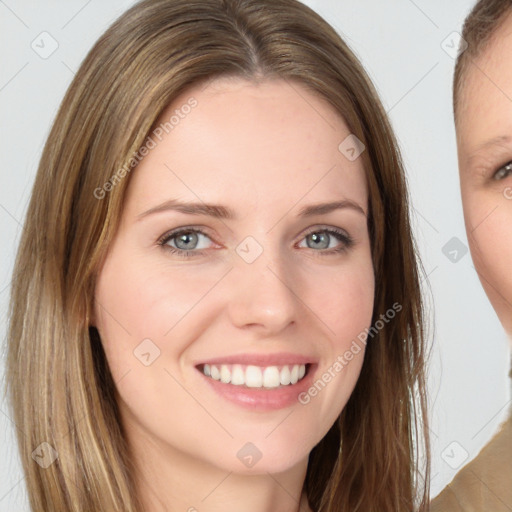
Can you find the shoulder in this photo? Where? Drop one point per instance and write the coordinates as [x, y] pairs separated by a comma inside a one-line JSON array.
[[446, 502], [485, 484]]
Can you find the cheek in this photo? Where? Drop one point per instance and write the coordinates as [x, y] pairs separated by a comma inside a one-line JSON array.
[[148, 314], [492, 243], [345, 300], [489, 226], [138, 299]]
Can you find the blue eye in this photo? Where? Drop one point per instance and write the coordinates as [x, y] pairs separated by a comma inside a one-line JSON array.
[[184, 242], [503, 172], [321, 239]]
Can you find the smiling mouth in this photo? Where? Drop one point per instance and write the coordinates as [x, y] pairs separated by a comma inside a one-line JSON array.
[[251, 376]]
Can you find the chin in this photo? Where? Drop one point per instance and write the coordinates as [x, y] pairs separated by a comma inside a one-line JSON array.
[[261, 457]]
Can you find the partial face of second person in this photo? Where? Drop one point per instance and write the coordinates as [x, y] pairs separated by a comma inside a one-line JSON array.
[[484, 137], [297, 291]]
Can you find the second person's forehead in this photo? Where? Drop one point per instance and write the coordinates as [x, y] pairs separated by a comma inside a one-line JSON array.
[[485, 117]]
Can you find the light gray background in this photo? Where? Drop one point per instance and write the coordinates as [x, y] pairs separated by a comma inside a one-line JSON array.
[[400, 44]]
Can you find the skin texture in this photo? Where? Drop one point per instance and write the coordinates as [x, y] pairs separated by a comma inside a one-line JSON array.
[[485, 115], [266, 152]]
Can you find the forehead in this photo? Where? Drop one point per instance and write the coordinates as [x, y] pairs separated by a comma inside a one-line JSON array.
[[274, 140], [486, 96]]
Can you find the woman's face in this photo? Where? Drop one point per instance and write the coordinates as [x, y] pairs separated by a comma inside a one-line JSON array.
[[253, 291], [484, 133]]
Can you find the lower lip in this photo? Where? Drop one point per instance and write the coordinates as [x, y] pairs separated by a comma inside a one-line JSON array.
[[263, 399]]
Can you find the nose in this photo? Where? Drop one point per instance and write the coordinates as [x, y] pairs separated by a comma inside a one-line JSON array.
[[262, 295]]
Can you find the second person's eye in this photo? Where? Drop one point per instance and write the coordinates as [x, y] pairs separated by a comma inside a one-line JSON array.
[[503, 172]]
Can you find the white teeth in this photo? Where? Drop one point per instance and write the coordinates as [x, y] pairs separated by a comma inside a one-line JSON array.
[[237, 375], [271, 377], [294, 375], [215, 372], [285, 376], [255, 376], [225, 374]]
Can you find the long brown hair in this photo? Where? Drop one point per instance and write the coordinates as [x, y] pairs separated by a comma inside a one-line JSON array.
[[59, 383]]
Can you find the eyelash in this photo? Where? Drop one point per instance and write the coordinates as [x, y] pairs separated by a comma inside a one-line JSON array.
[[507, 167], [347, 242]]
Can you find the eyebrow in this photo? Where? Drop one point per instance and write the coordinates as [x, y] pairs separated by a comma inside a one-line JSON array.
[[501, 141], [223, 212]]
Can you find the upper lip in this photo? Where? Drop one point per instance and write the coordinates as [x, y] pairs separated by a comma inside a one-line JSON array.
[[279, 359]]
